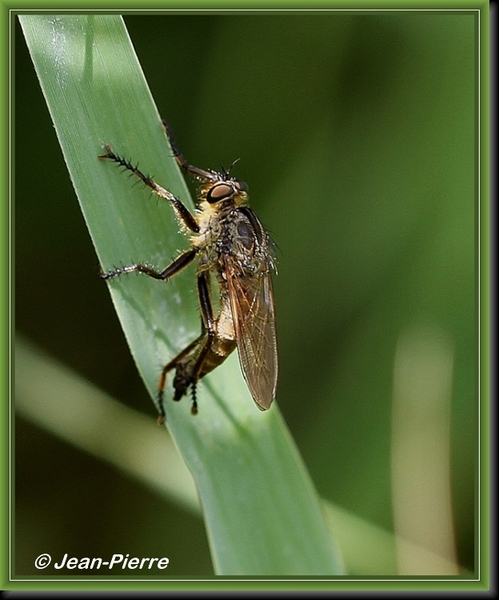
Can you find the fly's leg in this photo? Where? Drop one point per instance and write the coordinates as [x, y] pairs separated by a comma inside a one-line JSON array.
[[172, 269], [183, 377], [179, 157], [182, 212], [189, 363], [209, 327], [167, 273]]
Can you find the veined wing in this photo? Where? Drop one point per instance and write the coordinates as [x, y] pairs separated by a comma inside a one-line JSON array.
[[252, 305]]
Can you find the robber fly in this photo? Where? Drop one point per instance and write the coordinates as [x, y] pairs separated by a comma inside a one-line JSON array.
[[232, 247]]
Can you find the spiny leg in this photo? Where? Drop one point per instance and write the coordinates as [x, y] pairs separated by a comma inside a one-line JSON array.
[[172, 269], [167, 273], [179, 157], [178, 362], [208, 326], [189, 363], [182, 211]]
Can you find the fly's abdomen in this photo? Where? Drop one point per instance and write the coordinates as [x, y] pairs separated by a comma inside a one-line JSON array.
[[218, 352]]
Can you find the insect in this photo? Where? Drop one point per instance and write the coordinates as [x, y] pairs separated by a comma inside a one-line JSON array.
[[234, 254]]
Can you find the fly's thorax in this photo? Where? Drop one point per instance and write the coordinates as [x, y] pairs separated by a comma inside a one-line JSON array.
[[244, 238]]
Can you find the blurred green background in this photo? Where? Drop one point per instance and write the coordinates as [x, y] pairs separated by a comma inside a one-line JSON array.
[[357, 136]]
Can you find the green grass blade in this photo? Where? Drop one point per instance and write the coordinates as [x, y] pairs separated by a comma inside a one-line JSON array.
[[261, 510]]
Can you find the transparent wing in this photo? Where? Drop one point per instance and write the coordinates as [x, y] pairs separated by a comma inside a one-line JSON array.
[[252, 305]]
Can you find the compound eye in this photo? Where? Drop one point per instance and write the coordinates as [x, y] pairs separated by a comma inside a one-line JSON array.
[[219, 191], [243, 186]]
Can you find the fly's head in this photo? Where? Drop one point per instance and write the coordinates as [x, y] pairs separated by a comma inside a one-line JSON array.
[[222, 190]]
